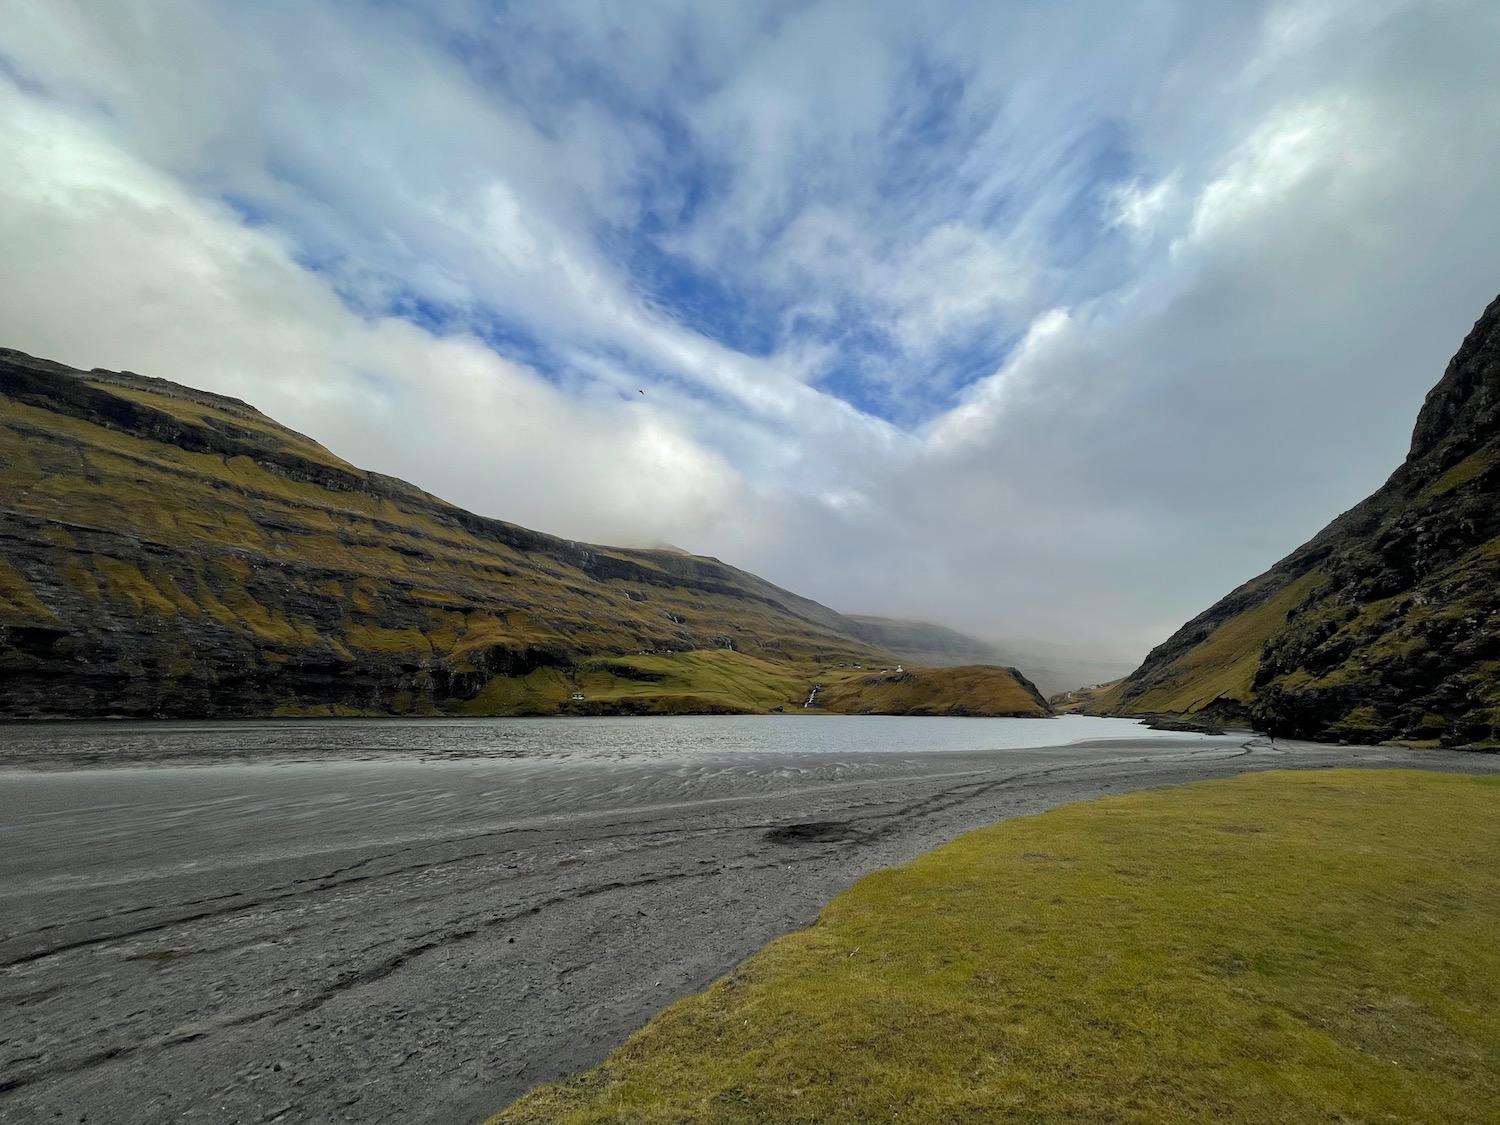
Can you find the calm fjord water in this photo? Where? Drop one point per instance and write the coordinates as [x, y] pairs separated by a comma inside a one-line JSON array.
[[686, 737]]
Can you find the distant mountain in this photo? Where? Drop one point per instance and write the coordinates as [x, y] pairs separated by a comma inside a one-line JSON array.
[[937, 646], [169, 552], [919, 642], [1386, 626]]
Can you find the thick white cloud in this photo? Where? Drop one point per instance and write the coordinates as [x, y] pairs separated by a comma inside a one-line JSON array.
[[1214, 255], [108, 263]]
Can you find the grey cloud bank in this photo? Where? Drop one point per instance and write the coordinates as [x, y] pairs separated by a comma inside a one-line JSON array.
[[1044, 325]]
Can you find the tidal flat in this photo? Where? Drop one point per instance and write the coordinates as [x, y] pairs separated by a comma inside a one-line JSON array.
[[416, 921]]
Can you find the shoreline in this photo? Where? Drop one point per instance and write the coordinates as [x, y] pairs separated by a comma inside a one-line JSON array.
[[427, 953]]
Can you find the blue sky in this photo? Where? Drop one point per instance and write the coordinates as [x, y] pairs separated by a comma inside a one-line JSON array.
[[679, 219], [668, 220], [1052, 322]]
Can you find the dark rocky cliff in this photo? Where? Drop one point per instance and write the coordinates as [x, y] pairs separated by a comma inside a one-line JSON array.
[[1386, 625]]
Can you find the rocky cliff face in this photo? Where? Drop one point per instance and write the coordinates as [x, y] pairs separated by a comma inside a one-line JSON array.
[[169, 552], [1384, 626]]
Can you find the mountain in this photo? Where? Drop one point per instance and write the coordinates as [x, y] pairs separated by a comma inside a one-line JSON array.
[[918, 642], [1053, 668], [955, 690], [169, 552], [1386, 625]]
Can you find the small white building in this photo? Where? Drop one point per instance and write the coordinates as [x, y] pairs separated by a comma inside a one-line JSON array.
[[578, 695]]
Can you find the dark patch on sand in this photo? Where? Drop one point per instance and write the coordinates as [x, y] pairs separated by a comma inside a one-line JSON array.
[[814, 832]]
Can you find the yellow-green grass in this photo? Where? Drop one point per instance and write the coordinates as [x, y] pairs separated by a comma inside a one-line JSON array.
[[730, 681], [1313, 947], [1471, 467], [473, 594], [214, 520], [706, 680], [1398, 630], [1223, 666], [1098, 699], [717, 678], [18, 605], [973, 689], [389, 578], [199, 408]]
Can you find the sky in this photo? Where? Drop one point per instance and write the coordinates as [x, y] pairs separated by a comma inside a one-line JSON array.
[[1048, 322]]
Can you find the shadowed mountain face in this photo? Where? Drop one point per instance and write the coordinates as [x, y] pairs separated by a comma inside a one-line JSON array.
[[918, 642], [937, 646], [1384, 626], [165, 551]]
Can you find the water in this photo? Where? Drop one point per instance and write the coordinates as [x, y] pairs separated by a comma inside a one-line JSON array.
[[677, 738], [80, 799]]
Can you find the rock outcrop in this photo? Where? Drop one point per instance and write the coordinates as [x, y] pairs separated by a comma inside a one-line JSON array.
[[1386, 625]]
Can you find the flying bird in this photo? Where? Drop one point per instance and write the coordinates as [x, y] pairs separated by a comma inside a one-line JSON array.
[[643, 392]]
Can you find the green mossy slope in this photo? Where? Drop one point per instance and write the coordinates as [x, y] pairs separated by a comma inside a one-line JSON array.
[[975, 689], [170, 552], [1386, 626]]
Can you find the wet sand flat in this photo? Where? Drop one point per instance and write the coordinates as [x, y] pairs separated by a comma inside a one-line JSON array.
[[343, 925]]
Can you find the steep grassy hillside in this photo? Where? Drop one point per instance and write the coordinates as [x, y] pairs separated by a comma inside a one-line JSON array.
[[1387, 624], [968, 690], [1096, 698], [165, 551]]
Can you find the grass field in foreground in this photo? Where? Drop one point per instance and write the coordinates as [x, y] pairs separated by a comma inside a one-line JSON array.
[[1283, 947]]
